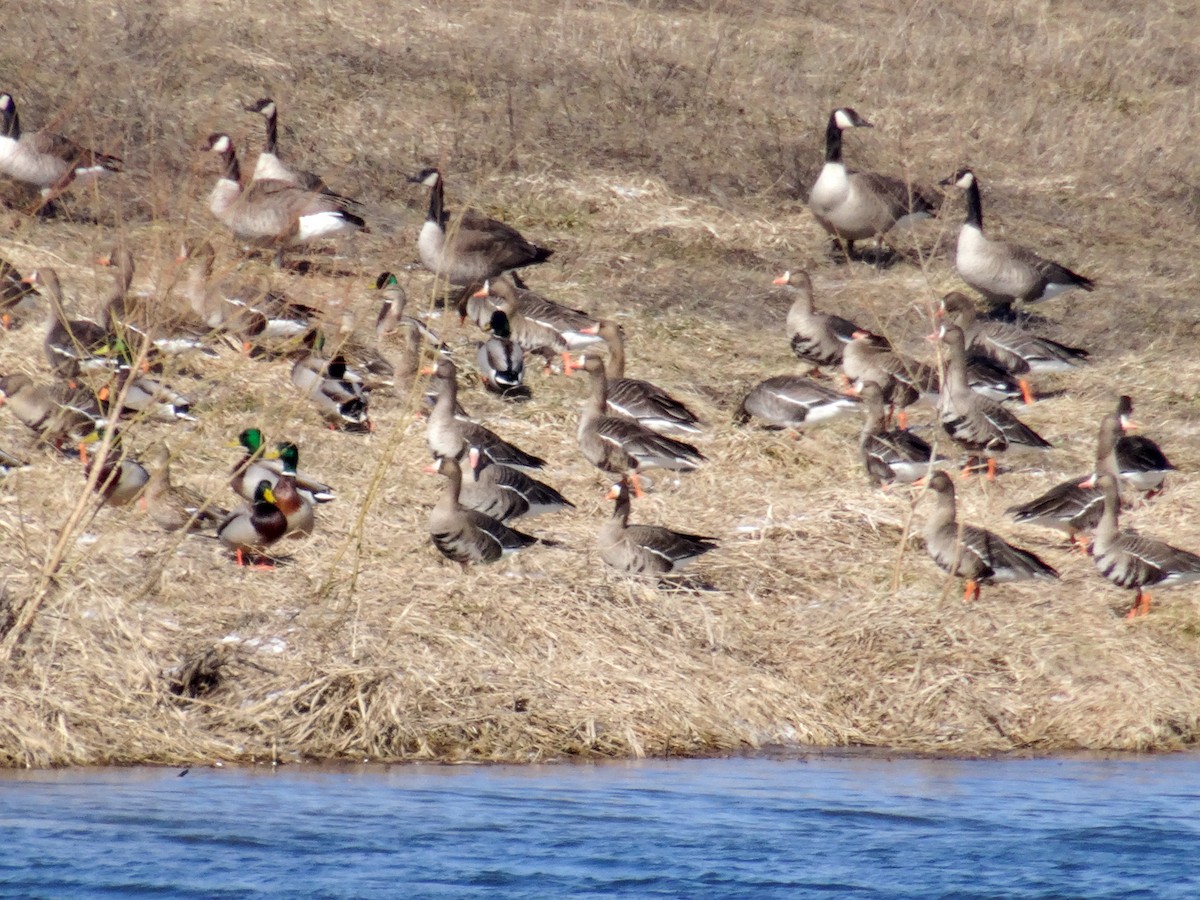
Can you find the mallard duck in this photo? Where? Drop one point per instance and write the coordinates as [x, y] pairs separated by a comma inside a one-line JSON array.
[[972, 553], [122, 477], [253, 467], [637, 399], [792, 401], [252, 528], [144, 396], [465, 535], [646, 549], [539, 325], [174, 507], [500, 360], [817, 338], [288, 497], [505, 493], [896, 456], [17, 297]]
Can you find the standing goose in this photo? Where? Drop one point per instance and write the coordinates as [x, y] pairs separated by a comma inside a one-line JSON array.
[[505, 493], [469, 247], [269, 167], [254, 467], [465, 535], [791, 401], [976, 423], [539, 315], [500, 359], [296, 508], [972, 553], [249, 530], [71, 345], [817, 338], [1001, 271], [619, 445], [273, 214], [855, 206], [646, 549], [1131, 560], [904, 381], [890, 457], [46, 160], [638, 399], [1141, 463], [174, 507]]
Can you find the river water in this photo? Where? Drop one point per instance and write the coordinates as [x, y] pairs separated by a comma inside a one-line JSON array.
[[827, 825]]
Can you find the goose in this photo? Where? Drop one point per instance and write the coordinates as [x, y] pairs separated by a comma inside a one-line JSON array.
[[273, 214], [855, 206], [254, 467], [890, 457], [17, 296], [540, 325], [48, 161], [449, 436], [249, 530], [469, 248], [620, 445], [269, 167], [467, 536], [58, 414], [645, 549], [637, 399], [817, 338], [1001, 271], [1141, 463], [175, 507], [1132, 560], [904, 381], [1016, 349], [976, 423], [339, 397], [973, 553], [500, 359], [71, 346], [792, 401], [505, 493], [122, 476], [296, 508]]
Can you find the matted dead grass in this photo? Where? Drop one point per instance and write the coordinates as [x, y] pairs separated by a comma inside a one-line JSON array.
[[663, 150]]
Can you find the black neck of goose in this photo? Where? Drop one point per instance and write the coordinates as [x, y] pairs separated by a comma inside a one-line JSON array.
[[435, 202], [232, 170], [833, 141], [974, 206], [12, 122], [269, 146]]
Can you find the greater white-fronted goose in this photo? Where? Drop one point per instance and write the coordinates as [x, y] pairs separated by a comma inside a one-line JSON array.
[[465, 535], [270, 167], [250, 529], [904, 381], [646, 549], [48, 161], [71, 345], [534, 313], [449, 436], [621, 445], [792, 401], [500, 359], [976, 423], [254, 467], [1132, 560], [1016, 349], [817, 338], [854, 206], [468, 247], [972, 553], [505, 493], [59, 414], [896, 456], [17, 296], [1002, 271], [176, 507], [273, 214], [1141, 463], [296, 508], [638, 399]]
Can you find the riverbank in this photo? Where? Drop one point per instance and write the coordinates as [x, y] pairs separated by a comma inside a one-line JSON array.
[[664, 155]]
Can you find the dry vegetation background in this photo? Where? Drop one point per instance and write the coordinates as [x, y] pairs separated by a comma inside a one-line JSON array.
[[664, 150]]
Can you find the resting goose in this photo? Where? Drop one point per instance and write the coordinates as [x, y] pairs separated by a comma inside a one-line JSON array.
[[1001, 271], [791, 401], [270, 167], [540, 325], [469, 247], [646, 549], [505, 493], [46, 160], [1016, 349], [249, 530], [855, 206], [175, 507], [904, 381], [621, 445], [897, 456], [817, 338], [972, 553], [273, 214], [71, 345], [1131, 560], [637, 399], [976, 423], [1141, 463], [465, 535]]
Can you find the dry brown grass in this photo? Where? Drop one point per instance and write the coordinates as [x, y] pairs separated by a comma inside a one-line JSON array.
[[664, 150]]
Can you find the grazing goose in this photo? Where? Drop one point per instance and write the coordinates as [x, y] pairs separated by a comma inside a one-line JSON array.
[[71, 345], [269, 167], [976, 423], [465, 535], [791, 401], [59, 414], [897, 456], [122, 477], [638, 399], [449, 436], [975, 554], [249, 530], [296, 508], [273, 214], [254, 467], [469, 247], [46, 160], [855, 206], [500, 359], [175, 507], [505, 493], [17, 296], [646, 549], [904, 381], [1001, 271], [537, 318], [817, 338], [1131, 560]]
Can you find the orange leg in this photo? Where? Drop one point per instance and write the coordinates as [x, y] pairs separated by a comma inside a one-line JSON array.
[[241, 561], [971, 591], [902, 420], [1026, 391], [6, 321], [636, 481], [991, 469], [1141, 606]]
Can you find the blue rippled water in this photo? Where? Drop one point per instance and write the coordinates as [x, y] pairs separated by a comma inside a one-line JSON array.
[[826, 826]]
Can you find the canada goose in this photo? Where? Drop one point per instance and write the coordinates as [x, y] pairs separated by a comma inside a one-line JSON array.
[[269, 167], [975, 554], [904, 381], [645, 549], [17, 296], [817, 338], [469, 247], [855, 206], [59, 414], [890, 457], [637, 399], [792, 401], [500, 360], [122, 477], [505, 493], [465, 535], [174, 507], [273, 214], [296, 508], [46, 160], [620, 445], [252, 528], [254, 467], [977, 423], [71, 345], [1001, 271]]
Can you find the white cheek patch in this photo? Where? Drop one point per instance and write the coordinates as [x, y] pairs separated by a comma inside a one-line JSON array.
[[842, 120], [966, 181], [221, 144]]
